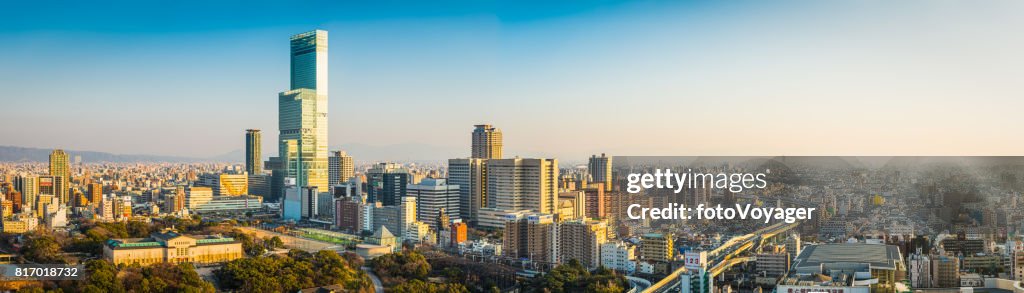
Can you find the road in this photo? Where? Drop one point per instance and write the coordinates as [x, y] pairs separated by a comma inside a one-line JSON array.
[[377, 285]]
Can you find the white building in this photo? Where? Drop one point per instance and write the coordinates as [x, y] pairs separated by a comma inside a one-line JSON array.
[[619, 256]]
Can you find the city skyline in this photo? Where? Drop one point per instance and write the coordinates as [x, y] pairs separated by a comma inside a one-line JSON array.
[[758, 79]]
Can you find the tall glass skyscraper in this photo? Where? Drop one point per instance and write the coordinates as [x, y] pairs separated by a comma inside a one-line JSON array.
[[302, 117]]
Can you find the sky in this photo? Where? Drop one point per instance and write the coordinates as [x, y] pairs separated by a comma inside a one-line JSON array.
[[564, 79]]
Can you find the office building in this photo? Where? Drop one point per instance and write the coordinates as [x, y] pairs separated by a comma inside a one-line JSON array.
[[220, 204], [253, 151], [396, 218], [581, 240], [772, 265], [224, 184], [486, 142], [340, 168], [170, 247], [302, 117], [600, 169], [348, 213], [432, 196], [309, 202], [522, 184], [197, 196], [259, 185], [386, 183], [470, 176]]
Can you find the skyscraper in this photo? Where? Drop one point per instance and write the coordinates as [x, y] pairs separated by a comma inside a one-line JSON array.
[[302, 117], [432, 197], [601, 170], [253, 153], [28, 186], [581, 240], [522, 184], [486, 142], [340, 168], [386, 183], [470, 176], [60, 167]]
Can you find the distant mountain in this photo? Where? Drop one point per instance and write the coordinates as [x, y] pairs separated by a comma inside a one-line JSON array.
[[407, 152], [23, 154]]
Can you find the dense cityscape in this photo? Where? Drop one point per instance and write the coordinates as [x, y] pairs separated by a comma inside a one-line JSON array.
[[311, 218]]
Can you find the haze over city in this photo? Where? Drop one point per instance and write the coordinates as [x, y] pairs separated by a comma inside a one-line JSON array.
[[561, 80]]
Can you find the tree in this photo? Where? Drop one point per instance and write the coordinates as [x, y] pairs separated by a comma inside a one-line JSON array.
[[398, 267], [417, 286], [574, 277], [42, 248], [292, 272]]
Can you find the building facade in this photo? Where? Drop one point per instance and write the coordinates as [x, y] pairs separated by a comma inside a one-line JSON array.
[[171, 247]]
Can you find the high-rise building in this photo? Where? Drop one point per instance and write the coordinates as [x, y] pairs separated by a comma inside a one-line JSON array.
[[793, 246], [945, 271], [470, 176], [596, 206], [486, 142], [259, 184], [310, 202], [53, 185], [309, 61], [581, 240], [532, 237], [302, 117], [59, 166], [28, 186], [432, 196], [396, 217], [522, 184], [919, 270], [601, 170], [340, 169], [95, 191], [253, 151], [386, 183]]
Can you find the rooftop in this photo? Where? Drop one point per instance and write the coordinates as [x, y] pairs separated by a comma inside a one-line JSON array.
[[878, 256]]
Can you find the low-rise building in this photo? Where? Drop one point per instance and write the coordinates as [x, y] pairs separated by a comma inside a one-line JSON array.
[[169, 246]]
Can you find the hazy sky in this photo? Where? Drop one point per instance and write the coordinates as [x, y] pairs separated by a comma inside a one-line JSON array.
[[562, 79]]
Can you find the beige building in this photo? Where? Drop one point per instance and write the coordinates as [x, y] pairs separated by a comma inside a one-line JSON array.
[[487, 142], [581, 240], [522, 184], [169, 246], [532, 237], [656, 247]]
